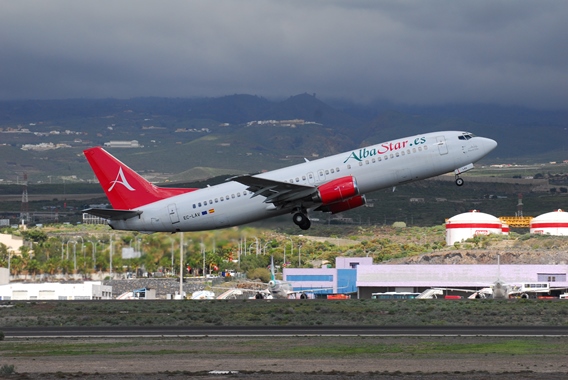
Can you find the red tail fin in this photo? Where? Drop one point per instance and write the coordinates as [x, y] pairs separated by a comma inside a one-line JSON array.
[[124, 188]]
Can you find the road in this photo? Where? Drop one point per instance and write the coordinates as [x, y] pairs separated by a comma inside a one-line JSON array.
[[267, 331]]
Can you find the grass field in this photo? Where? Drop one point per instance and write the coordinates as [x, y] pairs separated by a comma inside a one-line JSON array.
[[279, 313]]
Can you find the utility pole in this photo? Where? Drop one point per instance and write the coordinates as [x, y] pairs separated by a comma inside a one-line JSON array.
[[181, 265]]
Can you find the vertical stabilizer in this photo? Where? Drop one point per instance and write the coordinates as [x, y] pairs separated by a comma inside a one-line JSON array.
[[272, 276], [124, 188]]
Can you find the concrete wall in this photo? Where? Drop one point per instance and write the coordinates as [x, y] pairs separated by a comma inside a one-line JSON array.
[[4, 276]]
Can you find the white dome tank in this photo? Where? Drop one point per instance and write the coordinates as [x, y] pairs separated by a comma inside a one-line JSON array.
[[469, 224], [551, 223]]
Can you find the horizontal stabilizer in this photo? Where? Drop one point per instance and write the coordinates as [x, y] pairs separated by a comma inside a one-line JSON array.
[[109, 213]]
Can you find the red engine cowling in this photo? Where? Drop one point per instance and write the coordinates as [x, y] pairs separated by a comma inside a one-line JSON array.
[[338, 190], [356, 201]]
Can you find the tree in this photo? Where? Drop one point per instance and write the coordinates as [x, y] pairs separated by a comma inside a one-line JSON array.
[[35, 235]]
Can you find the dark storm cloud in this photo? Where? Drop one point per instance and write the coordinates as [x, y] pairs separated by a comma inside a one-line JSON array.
[[432, 52]]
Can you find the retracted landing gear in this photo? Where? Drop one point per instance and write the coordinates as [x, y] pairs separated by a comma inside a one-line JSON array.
[[301, 220]]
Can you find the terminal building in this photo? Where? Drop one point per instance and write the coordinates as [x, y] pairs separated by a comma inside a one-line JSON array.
[[339, 280], [361, 278]]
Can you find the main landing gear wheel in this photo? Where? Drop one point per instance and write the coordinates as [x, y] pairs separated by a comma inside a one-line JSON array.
[[459, 181], [301, 221]]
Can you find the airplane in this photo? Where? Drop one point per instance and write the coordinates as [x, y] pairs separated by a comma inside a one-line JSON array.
[[332, 184], [283, 289]]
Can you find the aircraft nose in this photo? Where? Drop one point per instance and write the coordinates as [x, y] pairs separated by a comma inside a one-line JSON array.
[[489, 144]]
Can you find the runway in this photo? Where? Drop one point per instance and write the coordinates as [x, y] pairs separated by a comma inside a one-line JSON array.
[[282, 331]]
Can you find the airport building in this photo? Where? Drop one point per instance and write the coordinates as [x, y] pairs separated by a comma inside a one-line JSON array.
[[339, 280], [359, 276], [418, 278], [88, 290]]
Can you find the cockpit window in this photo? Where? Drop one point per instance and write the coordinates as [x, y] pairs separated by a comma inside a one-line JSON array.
[[466, 136]]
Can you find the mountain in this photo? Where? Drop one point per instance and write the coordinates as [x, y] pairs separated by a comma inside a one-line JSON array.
[[246, 133]]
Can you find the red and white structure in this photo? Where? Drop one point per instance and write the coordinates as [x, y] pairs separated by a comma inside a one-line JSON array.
[[551, 223], [470, 224]]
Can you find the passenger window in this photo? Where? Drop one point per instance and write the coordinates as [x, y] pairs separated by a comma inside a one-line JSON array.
[[397, 154], [348, 166], [238, 194], [425, 147], [420, 149], [326, 172], [297, 179], [233, 196], [216, 200], [337, 169], [227, 197], [361, 163], [379, 159], [373, 160], [391, 156], [199, 204], [303, 178], [366, 162], [194, 205], [332, 171]]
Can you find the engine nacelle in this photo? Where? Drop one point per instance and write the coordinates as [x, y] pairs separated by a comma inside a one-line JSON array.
[[354, 202], [338, 190]]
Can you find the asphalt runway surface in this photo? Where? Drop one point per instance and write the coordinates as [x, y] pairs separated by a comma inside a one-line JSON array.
[[230, 352], [267, 331]]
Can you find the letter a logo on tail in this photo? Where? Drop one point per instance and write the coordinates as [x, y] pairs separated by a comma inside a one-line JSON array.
[[122, 180], [135, 191]]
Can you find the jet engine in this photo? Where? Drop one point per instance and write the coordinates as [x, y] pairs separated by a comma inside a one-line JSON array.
[[338, 190], [356, 201]]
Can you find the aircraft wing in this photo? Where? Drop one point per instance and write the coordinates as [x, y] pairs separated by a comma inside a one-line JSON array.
[[108, 213], [276, 192]]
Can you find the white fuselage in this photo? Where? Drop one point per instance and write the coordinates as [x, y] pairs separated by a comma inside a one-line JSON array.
[[374, 167]]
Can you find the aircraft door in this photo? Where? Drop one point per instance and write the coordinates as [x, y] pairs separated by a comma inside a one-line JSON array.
[[172, 211], [442, 147], [311, 178]]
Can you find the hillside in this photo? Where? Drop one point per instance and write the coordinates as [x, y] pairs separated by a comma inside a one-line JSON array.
[[220, 136]]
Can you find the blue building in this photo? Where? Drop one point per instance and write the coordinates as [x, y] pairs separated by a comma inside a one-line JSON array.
[[339, 280]]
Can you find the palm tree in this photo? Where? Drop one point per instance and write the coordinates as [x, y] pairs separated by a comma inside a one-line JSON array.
[[33, 267]]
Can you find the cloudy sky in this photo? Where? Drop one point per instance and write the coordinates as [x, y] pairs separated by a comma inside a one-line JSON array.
[[412, 52]]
